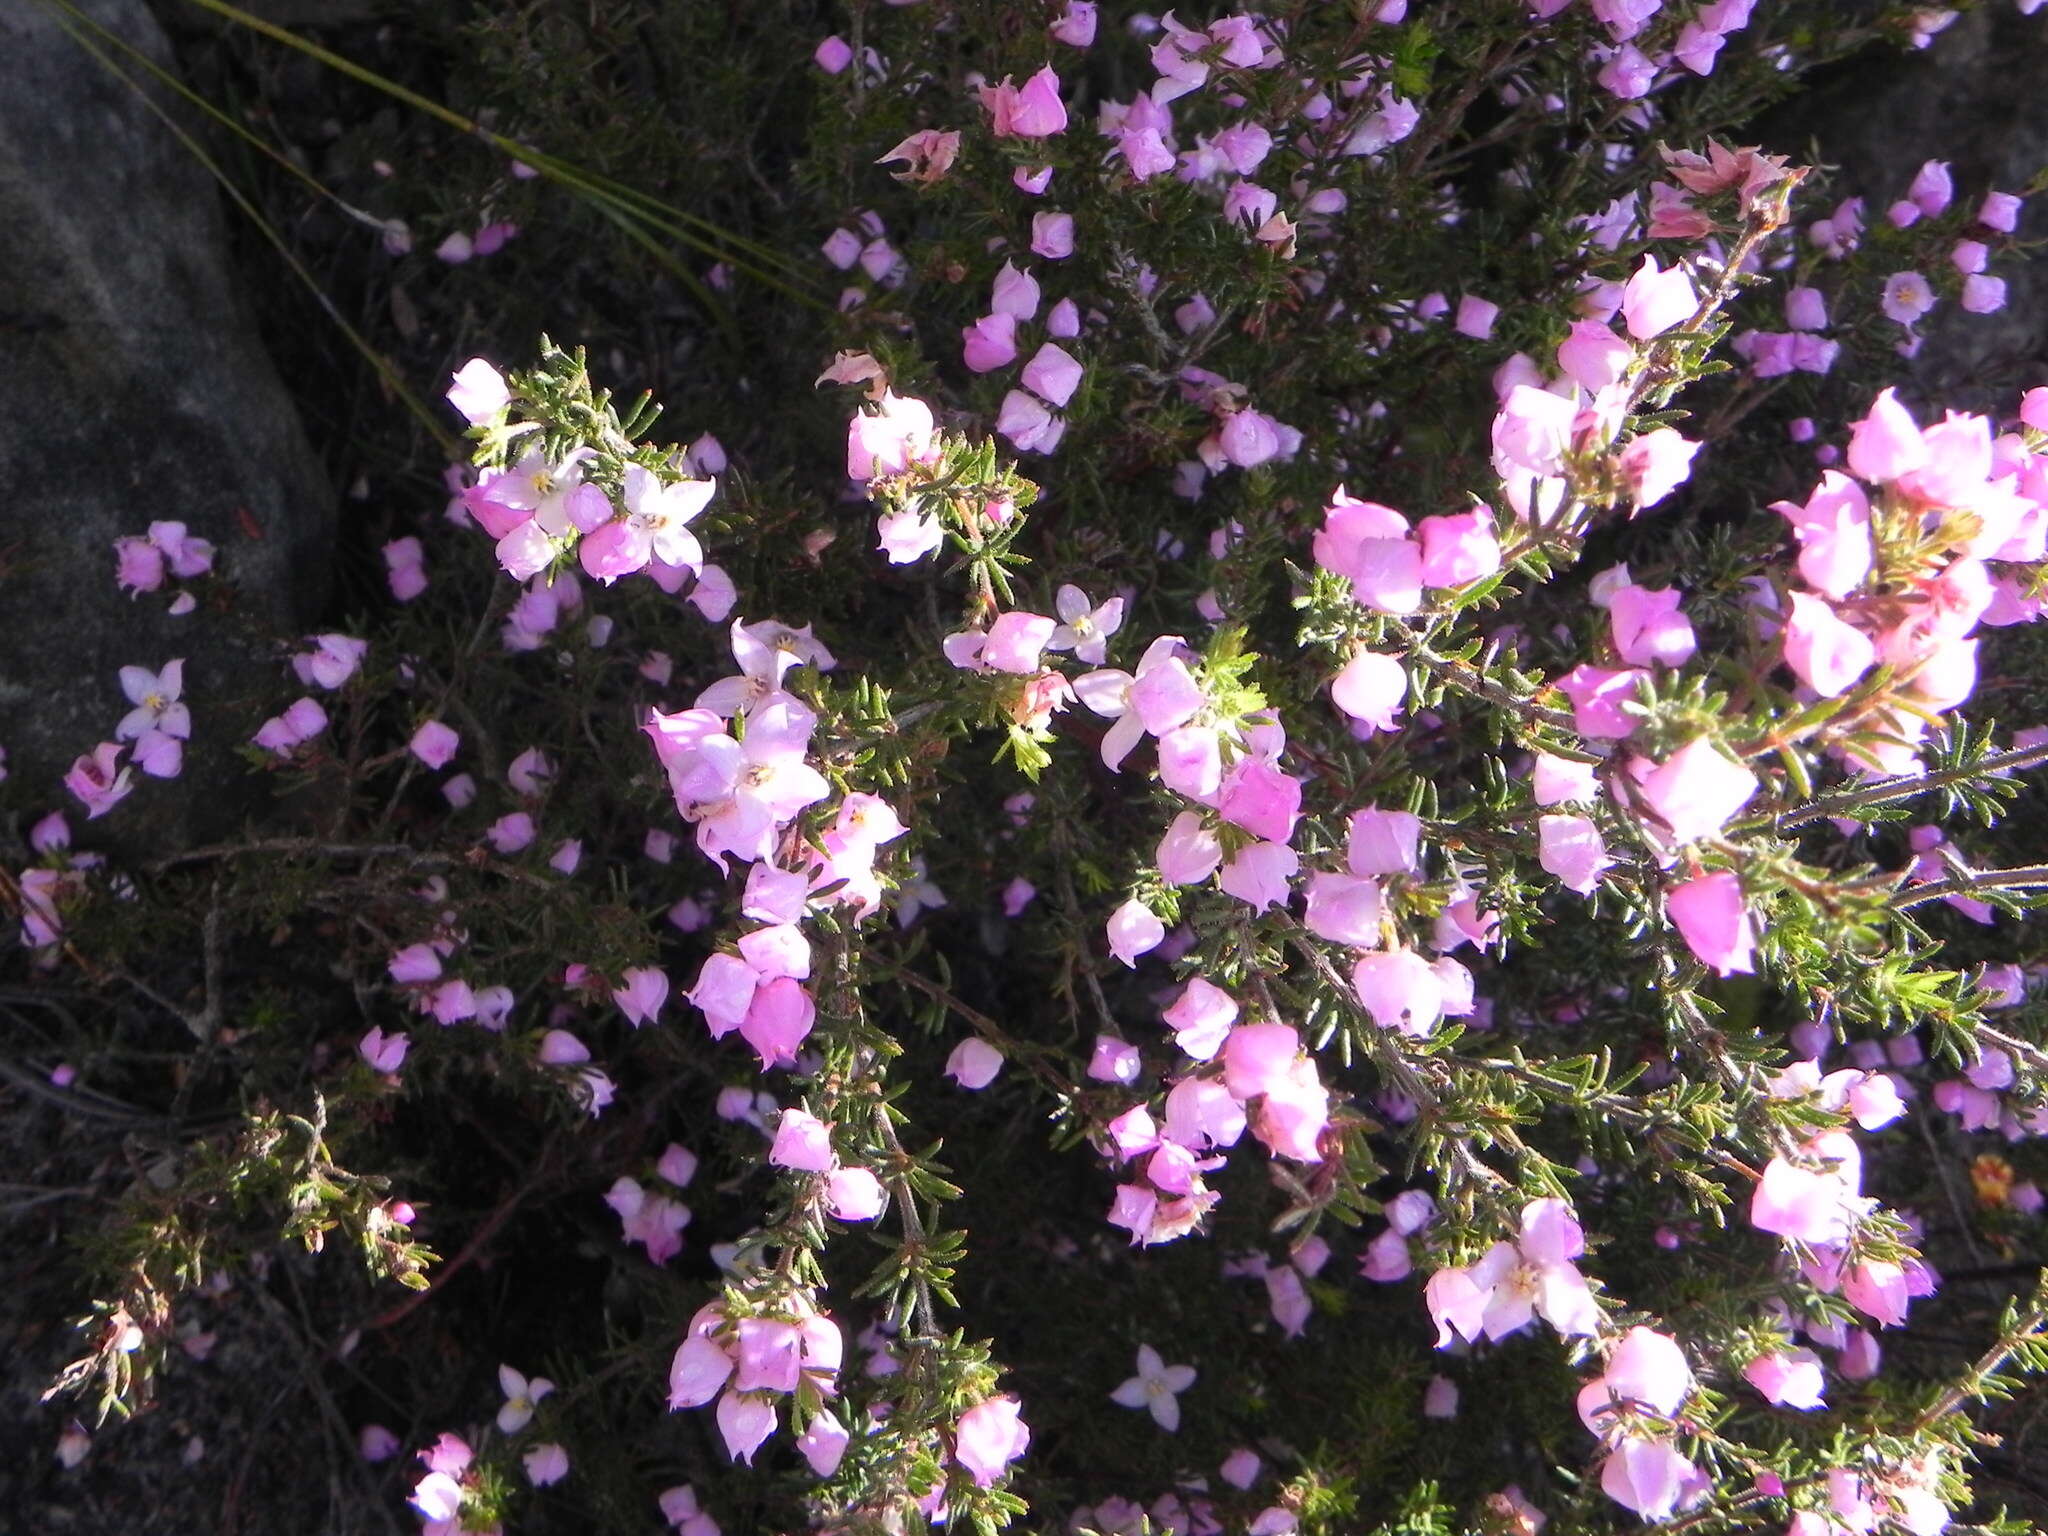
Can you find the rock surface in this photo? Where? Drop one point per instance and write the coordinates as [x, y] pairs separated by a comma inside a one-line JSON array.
[[136, 389], [1975, 98]]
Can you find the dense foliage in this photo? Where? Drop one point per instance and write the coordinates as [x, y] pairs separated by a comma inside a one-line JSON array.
[[1263, 795]]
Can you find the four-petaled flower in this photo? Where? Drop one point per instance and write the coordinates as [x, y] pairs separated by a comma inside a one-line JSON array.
[[1157, 1387]]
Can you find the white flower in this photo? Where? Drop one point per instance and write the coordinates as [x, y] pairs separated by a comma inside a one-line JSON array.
[[1156, 1386], [157, 706], [520, 1396], [1083, 629]]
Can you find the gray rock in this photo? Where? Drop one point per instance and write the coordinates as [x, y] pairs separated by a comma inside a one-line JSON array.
[[135, 389], [1975, 98]]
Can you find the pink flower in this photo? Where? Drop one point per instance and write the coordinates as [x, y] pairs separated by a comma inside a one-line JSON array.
[[1808, 1205], [1648, 628], [1076, 24], [478, 392], [1475, 318], [1458, 549], [545, 1464], [745, 1421], [1833, 530], [1027, 424], [1647, 1370], [1571, 848], [1053, 374], [520, 1396], [438, 1498], [98, 781], [384, 1053], [1372, 690], [1382, 842], [1515, 1282], [1190, 851], [1260, 873], [833, 55], [990, 343], [1710, 916], [928, 155], [1156, 1388], [1999, 211], [435, 744], [823, 1443], [1592, 356], [1015, 641], [405, 564], [1649, 1477], [1907, 297], [802, 1142], [1696, 790], [1655, 300], [642, 996], [974, 1063], [332, 661], [1597, 695], [1201, 1018], [1346, 909], [1827, 653], [1655, 464], [1257, 796], [1885, 444], [138, 565], [1533, 431], [888, 441], [155, 696], [1790, 1378], [1400, 990], [1052, 236], [1032, 111], [990, 1436], [854, 1194]]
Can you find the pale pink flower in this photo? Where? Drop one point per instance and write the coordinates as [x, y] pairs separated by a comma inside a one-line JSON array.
[[1648, 628], [1655, 300], [854, 1194], [1907, 297], [520, 1396], [990, 1436], [478, 392], [98, 780], [891, 439], [156, 697], [1156, 1388], [1458, 549], [1515, 1282], [545, 1464], [974, 1063], [1833, 530], [1075, 25], [1696, 790], [1400, 990], [990, 343], [1083, 629], [1827, 653], [1654, 464], [1790, 1378], [1571, 848], [435, 744], [927, 155], [1053, 374], [1885, 444], [1650, 1477]]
